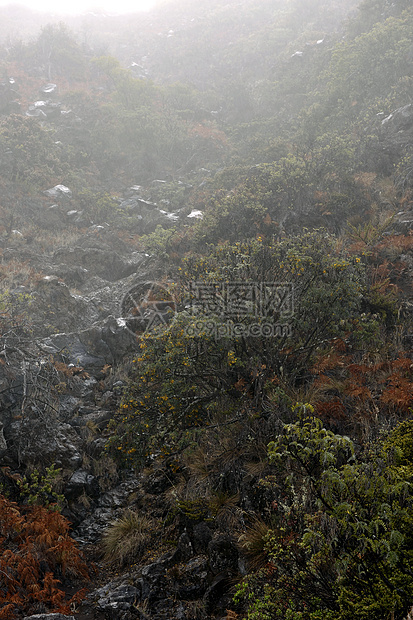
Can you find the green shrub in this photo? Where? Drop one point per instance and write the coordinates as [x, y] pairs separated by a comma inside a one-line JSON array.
[[343, 539]]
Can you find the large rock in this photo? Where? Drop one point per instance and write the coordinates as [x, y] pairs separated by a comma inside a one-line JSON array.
[[403, 222], [42, 438], [81, 482], [59, 191], [92, 348], [55, 308], [201, 537], [116, 602], [191, 582], [106, 264], [145, 215], [45, 109], [223, 554], [49, 617], [396, 131], [110, 506], [400, 120]]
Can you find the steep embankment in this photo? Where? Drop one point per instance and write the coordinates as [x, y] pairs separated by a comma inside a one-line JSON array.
[[206, 317]]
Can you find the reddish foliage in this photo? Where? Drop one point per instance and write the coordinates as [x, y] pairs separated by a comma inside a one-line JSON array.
[[351, 391], [398, 392], [331, 411], [35, 546]]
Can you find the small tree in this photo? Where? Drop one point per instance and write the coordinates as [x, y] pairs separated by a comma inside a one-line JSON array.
[[342, 544]]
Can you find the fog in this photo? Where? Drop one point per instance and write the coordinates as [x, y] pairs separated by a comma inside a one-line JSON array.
[[74, 7]]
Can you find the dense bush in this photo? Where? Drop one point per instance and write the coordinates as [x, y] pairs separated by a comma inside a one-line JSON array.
[[194, 367], [340, 541]]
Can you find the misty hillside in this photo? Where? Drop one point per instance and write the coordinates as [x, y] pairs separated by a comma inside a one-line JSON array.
[[206, 360]]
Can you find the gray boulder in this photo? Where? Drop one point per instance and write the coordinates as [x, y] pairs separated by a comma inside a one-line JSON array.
[[106, 264], [92, 348], [55, 308], [49, 617], [396, 131], [42, 438], [81, 482], [59, 191], [115, 602], [223, 554]]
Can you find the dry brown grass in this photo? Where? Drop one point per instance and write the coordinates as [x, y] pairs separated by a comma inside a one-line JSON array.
[[50, 240], [14, 273], [252, 542], [127, 539]]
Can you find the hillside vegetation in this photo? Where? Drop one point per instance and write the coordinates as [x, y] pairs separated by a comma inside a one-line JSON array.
[[245, 171]]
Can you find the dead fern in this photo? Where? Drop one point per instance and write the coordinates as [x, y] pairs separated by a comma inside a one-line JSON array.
[[31, 538]]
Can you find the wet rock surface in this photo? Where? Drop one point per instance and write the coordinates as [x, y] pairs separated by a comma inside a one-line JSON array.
[[171, 580], [92, 348], [49, 617]]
